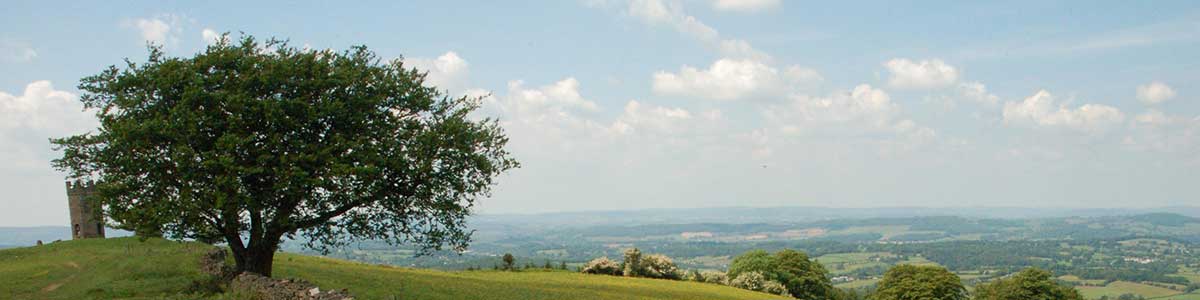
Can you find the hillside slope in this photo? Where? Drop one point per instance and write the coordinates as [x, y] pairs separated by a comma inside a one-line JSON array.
[[125, 268]]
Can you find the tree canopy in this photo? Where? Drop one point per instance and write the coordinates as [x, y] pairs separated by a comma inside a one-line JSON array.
[[1029, 284], [250, 142], [909, 282], [803, 277]]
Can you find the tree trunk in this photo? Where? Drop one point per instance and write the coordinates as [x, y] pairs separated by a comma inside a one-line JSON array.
[[257, 259]]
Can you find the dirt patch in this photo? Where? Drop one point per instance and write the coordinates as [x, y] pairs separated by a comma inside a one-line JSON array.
[[52, 287], [56, 285]]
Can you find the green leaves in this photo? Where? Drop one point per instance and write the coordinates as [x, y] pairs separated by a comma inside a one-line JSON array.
[[1029, 284], [803, 277], [910, 282], [242, 142]]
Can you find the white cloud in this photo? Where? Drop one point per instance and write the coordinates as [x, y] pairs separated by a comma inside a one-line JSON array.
[[977, 92], [556, 122], [740, 48], [163, 30], [448, 71], [1042, 110], [210, 36], [670, 13], [17, 52], [1156, 131], [1154, 93], [639, 117], [924, 74], [38, 113], [559, 98], [802, 75], [725, 79], [863, 109], [745, 5], [1153, 118]]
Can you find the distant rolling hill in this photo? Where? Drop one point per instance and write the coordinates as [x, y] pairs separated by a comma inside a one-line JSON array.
[[125, 268]]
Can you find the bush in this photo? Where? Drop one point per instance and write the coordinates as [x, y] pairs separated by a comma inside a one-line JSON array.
[[1029, 284], [907, 282], [802, 276], [715, 277], [603, 266], [749, 281], [659, 266], [632, 262], [774, 287]]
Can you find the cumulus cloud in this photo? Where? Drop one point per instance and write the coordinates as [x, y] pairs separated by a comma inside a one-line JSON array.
[[1042, 110], [923, 74], [1155, 131], [1154, 93], [210, 36], [448, 71], [863, 109], [745, 5], [163, 30], [977, 92], [16, 52], [725, 79], [555, 121], [559, 98], [29, 118], [670, 13], [638, 117]]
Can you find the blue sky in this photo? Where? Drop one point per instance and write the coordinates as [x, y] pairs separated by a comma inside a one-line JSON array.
[[626, 104]]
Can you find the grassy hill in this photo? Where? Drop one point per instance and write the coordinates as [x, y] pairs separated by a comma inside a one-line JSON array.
[[125, 268]]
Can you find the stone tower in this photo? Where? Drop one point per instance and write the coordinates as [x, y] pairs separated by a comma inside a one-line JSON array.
[[86, 220]]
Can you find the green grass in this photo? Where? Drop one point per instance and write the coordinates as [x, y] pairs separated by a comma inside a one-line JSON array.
[[1116, 288], [125, 268], [121, 268], [1192, 296], [861, 283]]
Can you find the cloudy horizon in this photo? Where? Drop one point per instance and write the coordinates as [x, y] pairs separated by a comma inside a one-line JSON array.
[[636, 104]]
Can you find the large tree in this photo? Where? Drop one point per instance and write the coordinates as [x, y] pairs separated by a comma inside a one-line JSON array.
[[909, 282], [804, 277], [249, 142], [1029, 284]]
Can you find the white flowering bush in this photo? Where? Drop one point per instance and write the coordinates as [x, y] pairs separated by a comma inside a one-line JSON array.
[[602, 265], [659, 266], [715, 277]]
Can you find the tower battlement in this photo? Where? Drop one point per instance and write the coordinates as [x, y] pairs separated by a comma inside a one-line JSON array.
[[87, 221]]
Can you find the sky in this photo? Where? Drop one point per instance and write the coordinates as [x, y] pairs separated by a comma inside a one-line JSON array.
[[632, 104]]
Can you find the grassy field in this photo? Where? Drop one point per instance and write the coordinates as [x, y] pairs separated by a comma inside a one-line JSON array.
[[99, 269], [1116, 288], [125, 268], [1192, 296]]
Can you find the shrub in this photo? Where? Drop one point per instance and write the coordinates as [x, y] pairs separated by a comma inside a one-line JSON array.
[[715, 277], [774, 287], [603, 266], [632, 262], [802, 276], [659, 266], [1029, 284], [749, 281], [909, 282]]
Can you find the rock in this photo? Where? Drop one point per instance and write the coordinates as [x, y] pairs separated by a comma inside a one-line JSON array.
[[213, 263], [283, 289]]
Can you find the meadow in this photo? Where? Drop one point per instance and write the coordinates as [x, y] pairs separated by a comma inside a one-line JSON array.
[[127, 268]]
